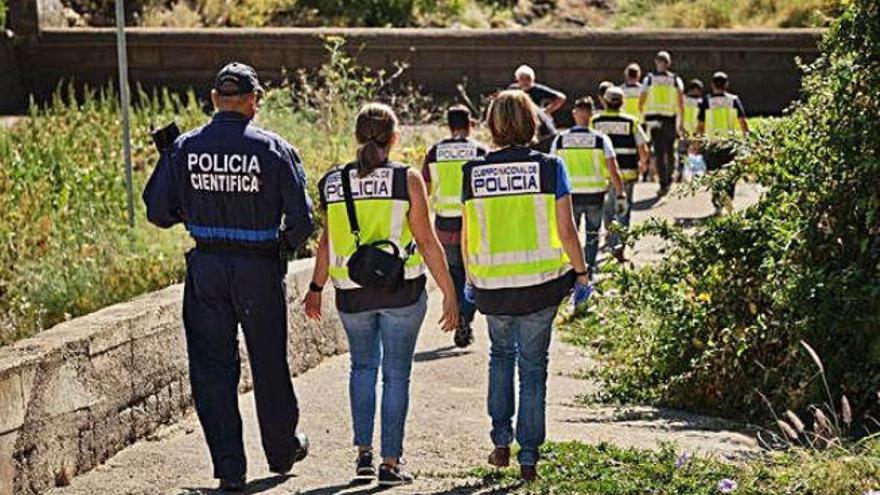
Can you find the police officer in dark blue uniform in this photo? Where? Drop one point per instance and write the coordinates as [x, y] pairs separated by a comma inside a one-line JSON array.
[[241, 193]]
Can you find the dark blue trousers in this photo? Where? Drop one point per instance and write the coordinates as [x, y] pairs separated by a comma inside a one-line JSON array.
[[221, 293]]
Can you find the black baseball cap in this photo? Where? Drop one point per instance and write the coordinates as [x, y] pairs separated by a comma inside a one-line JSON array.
[[237, 78]]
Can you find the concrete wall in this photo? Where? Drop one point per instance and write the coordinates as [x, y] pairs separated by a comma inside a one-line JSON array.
[[76, 394], [761, 64]]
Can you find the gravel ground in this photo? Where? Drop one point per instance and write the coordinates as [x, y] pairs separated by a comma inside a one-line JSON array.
[[447, 431]]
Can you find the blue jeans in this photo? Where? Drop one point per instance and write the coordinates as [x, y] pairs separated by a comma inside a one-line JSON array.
[[387, 337], [456, 270], [610, 206], [519, 341], [593, 222]]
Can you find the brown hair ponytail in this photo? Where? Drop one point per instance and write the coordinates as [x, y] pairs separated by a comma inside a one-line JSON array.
[[374, 130]]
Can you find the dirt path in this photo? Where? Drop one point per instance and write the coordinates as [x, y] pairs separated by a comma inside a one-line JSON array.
[[447, 432]]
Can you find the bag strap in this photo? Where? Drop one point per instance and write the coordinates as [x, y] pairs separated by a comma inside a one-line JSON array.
[[349, 203], [352, 214]]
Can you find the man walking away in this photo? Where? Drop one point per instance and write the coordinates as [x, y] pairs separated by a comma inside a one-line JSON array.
[[590, 161], [241, 193], [662, 101], [631, 148], [442, 173], [632, 90], [720, 116]]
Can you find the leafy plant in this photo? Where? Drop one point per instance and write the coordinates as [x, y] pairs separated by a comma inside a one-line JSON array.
[[722, 317]]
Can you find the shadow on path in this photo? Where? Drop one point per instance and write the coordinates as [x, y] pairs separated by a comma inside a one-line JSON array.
[[255, 486], [449, 351], [353, 487], [645, 204]]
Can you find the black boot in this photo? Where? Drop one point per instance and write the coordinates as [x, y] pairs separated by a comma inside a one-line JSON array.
[[232, 485], [300, 451]]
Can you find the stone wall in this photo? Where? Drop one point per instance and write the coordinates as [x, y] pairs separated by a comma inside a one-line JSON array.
[[761, 64], [12, 96], [76, 394]]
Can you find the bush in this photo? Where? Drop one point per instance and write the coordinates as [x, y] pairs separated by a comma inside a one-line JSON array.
[[2, 14], [722, 317]]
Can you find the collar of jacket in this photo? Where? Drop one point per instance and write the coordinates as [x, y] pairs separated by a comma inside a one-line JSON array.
[[230, 117]]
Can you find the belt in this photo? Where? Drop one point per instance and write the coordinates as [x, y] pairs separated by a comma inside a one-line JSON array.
[[236, 249]]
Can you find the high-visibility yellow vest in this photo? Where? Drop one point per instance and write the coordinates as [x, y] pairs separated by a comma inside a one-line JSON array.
[[583, 152], [691, 110], [622, 129], [382, 204], [446, 159], [510, 212], [662, 99], [632, 94], [721, 116]]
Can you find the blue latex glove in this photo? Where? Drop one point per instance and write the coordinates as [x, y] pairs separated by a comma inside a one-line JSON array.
[[469, 294], [582, 292]]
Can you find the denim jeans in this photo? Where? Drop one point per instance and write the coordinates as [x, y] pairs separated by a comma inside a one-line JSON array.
[[592, 214], [387, 337], [611, 206], [521, 341], [456, 270]]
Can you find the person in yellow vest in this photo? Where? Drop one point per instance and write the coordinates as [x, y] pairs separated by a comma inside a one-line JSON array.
[[662, 102], [374, 204], [522, 257], [590, 161], [442, 173], [632, 90], [631, 147], [692, 99], [720, 116]]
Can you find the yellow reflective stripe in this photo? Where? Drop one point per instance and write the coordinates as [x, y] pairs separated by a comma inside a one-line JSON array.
[[542, 221], [483, 279], [515, 257], [398, 216]]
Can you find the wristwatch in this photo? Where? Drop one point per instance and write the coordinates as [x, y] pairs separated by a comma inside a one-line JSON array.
[[580, 274], [315, 287]]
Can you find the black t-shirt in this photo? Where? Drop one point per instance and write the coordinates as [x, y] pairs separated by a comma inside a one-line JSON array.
[[539, 93]]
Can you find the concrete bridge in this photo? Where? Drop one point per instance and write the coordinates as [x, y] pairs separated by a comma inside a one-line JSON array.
[[41, 54]]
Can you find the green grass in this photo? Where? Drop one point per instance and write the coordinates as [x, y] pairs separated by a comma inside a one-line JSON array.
[[604, 469]]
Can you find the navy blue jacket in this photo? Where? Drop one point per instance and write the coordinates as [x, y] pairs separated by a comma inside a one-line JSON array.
[[232, 183]]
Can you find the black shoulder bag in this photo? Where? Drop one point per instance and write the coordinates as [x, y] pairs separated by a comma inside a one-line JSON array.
[[370, 265]]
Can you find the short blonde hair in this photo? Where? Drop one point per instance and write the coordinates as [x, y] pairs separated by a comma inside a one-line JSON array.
[[513, 119]]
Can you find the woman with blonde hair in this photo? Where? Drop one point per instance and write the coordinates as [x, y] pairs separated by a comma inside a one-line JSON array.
[[376, 234], [523, 256]]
